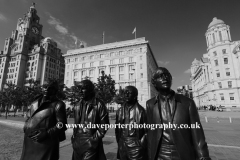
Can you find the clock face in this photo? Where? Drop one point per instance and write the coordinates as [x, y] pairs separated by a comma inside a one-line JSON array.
[[35, 30]]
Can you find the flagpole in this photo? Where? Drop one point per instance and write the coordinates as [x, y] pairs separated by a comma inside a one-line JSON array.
[[103, 37], [135, 33]]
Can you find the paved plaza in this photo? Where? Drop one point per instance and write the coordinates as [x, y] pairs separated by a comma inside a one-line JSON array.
[[223, 137]]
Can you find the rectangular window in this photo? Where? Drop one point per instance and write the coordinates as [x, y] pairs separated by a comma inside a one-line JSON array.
[[91, 64], [224, 51], [131, 68], [101, 63], [222, 96], [219, 84], [113, 77], [91, 72], [101, 70], [225, 60], [83, 65], [121, 68], [227, 72], [83, 58], [229, 84], [67, 74], [131, 76], [231, 96], [141, 84], [141, 66], [112, 54], [218, 74], [83, 73], [120, 53], [76, 66], [140, 49], [121, 60], [130, 59], [141, 75], [140, 57], [75, 74], [112, 70], [76, 59], [68, 66], [101, 55], [216, 62], [111, 61], [121, 77]]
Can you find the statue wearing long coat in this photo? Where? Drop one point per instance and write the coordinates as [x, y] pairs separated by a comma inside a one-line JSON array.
[[87, 143], [44, 116]]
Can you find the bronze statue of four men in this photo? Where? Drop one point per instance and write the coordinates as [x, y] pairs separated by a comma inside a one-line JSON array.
[[42, 136]]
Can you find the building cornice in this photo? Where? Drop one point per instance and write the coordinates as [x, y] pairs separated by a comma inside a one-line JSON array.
[[107, 46], [228, 43]]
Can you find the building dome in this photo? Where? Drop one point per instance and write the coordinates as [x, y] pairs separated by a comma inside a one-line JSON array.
[[215, 21], [50, 40]]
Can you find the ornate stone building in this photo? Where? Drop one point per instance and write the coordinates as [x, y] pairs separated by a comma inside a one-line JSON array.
[[128, 62], [216, 76], [28, 55]]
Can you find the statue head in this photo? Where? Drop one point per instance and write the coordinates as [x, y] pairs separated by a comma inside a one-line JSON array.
[[162, 79], [131, 94], [86, 89], [52, 89]]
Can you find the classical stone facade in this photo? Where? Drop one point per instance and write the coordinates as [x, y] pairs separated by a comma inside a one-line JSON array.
[[28, 55], [216, 76], [128, 62]]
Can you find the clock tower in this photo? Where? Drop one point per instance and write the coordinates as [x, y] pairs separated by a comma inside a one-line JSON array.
[[29, 30], [27, 55]]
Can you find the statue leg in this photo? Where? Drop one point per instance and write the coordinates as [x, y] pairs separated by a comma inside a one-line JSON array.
[[122, 150]]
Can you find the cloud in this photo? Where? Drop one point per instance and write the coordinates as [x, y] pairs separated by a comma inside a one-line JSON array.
[[163, 63], [65, 39], [58, 25], [188, 71], [2, 17]]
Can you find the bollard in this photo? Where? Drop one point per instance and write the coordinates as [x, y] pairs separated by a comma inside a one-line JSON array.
[[230, 119], [206, 119]]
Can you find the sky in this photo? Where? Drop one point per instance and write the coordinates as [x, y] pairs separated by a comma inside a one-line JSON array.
[[175, 29]]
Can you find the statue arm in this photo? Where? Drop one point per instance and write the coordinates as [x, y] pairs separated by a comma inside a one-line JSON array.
[[117, 129], [104, 119], [144, 121], [61, 117], [198, 136]]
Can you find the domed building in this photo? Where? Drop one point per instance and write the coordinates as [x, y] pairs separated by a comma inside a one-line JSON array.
[[215, 77], [28, 55]]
